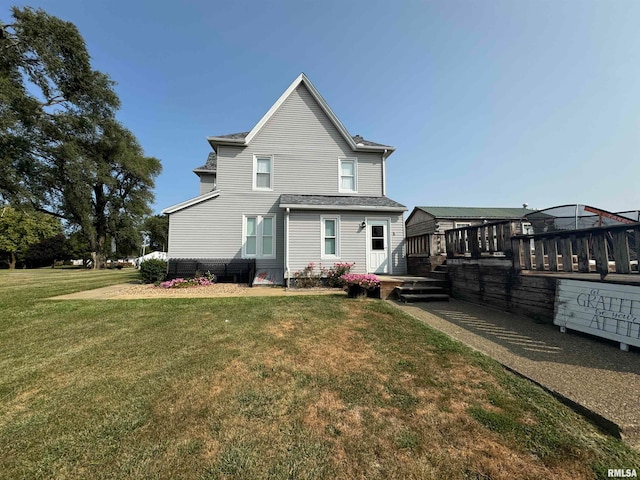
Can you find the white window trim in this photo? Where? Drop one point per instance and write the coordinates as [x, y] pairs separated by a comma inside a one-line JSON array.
[[259, 238], [323, 255], [355, 174], [255, 173]]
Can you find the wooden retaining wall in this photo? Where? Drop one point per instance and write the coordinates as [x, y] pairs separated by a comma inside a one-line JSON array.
[[494, 282]]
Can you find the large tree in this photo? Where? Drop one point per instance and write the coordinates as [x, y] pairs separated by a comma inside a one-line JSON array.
[[62, 151]]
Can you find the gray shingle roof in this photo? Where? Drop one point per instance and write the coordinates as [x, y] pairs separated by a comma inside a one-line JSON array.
[[476, 212], [356, 138], [234, 136], [342, 202], [211, 165]]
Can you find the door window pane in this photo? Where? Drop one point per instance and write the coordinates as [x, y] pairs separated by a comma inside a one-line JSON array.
[[377, 244], [377, 231]]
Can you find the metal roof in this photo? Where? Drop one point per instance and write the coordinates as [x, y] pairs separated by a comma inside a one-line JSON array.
[[476, 212]]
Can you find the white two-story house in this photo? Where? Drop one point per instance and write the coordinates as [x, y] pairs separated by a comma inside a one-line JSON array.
[[297, 188]]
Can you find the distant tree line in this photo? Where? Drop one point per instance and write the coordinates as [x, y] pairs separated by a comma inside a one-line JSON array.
[[32, 239], [63, 153]]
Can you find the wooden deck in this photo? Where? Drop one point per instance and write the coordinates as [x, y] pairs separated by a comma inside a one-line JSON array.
[[616, 278]]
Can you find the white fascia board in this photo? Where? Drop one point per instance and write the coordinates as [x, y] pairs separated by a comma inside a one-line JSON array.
[[295, 206], [373, 148], [193, 201], [225, 141]]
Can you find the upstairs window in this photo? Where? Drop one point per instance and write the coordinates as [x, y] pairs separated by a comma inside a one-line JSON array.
[[262, 172], [348, 175]]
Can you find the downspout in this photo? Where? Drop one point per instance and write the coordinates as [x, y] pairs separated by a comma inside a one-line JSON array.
[[384, 173], [286, 248]]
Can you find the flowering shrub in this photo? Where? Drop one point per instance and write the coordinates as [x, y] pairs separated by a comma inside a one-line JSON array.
[[368, 281], [335, 273], [207, 279], [307, 277]]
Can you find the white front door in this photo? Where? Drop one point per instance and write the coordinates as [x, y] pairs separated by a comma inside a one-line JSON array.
[[377, 246]]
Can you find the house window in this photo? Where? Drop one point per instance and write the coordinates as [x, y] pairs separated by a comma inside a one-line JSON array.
[[263, 172], [462, 224], [330, 237], [259, 236], [348, 175]]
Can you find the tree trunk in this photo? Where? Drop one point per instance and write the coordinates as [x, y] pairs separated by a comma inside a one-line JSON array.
[[12, 261]]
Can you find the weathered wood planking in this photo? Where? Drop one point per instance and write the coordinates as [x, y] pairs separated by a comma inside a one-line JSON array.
[[539, 249], [610, 311], [567, 254], [601, 254], [552, 253], [583, 254], [621, 251]]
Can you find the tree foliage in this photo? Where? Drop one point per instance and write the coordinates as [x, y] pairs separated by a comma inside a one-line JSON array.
[[62, 151], [157, 227], [21, 231]]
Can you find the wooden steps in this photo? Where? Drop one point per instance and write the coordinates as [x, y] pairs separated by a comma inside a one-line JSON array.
[[435, 288]]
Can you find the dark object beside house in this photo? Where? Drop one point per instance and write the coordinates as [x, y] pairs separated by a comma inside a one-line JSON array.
[[226, 270]]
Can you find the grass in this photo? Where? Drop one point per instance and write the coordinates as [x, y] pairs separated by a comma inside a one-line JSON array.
[[297, 387]]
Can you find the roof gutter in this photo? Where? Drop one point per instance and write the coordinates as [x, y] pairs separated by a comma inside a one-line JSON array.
[[363, 208], [384, 172]]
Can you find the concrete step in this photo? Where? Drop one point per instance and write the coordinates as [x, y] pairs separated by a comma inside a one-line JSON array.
[[438, 275], [419, 289], [424, 297]]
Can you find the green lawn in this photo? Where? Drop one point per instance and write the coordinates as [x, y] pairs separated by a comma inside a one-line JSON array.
[[297, 387]]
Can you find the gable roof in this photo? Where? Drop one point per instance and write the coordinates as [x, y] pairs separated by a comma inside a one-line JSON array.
[[210, 166], [344, 202], [192, 201], [476, 212], [357, 143]]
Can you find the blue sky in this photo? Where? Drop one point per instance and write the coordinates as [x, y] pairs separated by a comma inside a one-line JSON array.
[[489, 103]]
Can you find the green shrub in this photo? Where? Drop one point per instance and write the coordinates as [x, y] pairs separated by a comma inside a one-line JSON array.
[[153, 271]]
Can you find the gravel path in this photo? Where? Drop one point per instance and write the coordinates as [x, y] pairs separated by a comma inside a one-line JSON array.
[[592, 373], [129, 291]]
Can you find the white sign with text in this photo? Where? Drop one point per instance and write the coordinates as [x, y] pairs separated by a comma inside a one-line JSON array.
[[607, 310]]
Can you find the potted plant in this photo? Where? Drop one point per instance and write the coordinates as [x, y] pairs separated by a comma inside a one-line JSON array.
[[358, 284]]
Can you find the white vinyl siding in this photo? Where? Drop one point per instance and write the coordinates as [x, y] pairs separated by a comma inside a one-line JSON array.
[[348, 175], [305, 147], [330, 241], [258, 236], [306, 242], [263, 172]]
